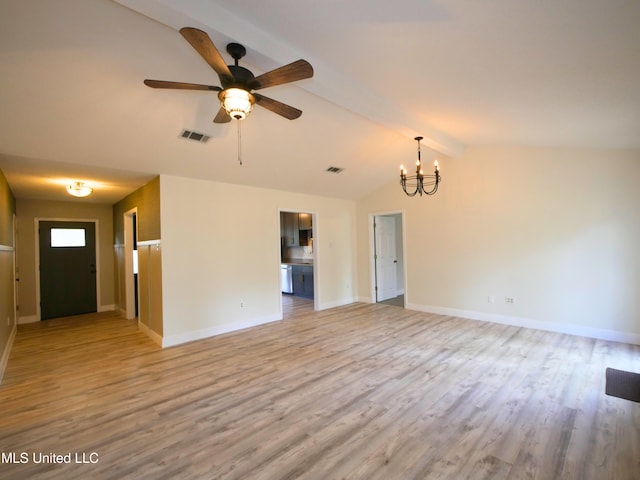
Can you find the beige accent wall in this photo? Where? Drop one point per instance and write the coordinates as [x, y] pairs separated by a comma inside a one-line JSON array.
[[27, 211], [557, 230], [221, 254], [150, 290], [119, 288], [7, 284], [147, 202], [7, 209]]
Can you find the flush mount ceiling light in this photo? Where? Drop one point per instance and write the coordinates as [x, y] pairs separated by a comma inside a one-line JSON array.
[[417, 183], [79, 189]]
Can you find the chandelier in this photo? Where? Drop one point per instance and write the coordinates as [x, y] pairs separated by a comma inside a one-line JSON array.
[[420, 183]]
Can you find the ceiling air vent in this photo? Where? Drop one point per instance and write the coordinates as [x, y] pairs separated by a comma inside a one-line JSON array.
[[198, 137], [334, 169]]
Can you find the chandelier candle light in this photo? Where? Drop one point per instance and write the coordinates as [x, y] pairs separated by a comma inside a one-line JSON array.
[[419, 182]]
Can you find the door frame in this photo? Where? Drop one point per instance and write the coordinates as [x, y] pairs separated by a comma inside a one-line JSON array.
[[36, 229], [314, 233], [129, 284], [372, 249]]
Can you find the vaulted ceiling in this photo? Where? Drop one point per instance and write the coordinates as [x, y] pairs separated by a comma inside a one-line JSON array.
[[458, 72]]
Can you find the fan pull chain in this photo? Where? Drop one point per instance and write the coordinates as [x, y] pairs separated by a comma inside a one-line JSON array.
[[239, 142]]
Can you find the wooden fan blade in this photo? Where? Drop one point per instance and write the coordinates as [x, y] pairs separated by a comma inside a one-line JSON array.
[[298, 70], [207, 50], [180, 85], [222, 116], [275, 106]]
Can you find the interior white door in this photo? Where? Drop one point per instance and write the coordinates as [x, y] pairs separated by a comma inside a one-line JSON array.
[[386, 262]]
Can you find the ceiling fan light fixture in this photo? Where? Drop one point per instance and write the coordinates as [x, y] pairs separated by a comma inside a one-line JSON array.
[[79, 189], [237, 102], [237, 82]]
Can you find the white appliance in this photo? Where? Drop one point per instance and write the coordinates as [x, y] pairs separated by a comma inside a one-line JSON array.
[[286, 279]]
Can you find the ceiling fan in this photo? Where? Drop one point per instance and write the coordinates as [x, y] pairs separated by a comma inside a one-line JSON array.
[[235, 95]]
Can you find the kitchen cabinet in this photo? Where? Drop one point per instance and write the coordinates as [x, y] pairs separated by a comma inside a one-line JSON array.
[[289, 230], [295, 229], [304, 221], [302, 280], [304, 229]]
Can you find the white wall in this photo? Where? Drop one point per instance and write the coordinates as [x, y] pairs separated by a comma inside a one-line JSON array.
[[221, 249], [558, 230]]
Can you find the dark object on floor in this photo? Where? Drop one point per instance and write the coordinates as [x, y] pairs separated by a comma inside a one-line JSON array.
[[623, 384]]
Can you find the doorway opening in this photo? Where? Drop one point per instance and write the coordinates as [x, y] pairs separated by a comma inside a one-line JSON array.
[[131, 263], [298, 277], [388, 276], [66, 270]]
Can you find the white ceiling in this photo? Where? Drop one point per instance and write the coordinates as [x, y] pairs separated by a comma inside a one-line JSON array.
[[459, 72]]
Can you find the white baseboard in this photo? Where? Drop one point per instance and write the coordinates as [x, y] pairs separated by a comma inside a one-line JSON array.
[[172, 340], [107, 308], [336, 303], [7, 351], [27, 319], [571, 329]]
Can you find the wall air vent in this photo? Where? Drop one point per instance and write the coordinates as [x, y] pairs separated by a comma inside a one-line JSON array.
[[198, 137], [335, 169]]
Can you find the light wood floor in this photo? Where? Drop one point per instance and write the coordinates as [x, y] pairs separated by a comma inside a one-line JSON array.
[[362, 392]]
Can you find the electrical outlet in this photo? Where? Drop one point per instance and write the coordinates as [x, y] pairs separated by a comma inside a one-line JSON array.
[[509, 300], [491, 299], [241, 304]]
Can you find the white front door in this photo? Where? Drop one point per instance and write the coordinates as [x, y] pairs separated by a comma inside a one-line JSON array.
[[386, 261]]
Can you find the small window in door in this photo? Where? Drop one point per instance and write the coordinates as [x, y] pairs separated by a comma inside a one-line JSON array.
[[68, 237]]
